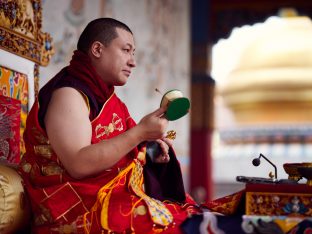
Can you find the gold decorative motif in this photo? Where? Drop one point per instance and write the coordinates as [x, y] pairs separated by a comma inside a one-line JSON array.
[[116, 124], [264, 203], [140, 210], [45, 214], [39, 136], [20, 30], [19, 16], [26, 167], [40, 219], [67, 229], [171, 135], [43, 150], [51, 169]]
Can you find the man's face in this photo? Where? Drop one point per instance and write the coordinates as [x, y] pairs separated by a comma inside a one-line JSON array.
[[117, 59]]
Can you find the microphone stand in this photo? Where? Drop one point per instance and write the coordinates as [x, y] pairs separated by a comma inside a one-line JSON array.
[[261, 155]]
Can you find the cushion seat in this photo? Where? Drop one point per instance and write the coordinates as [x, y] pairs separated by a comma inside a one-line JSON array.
[[15, 211]]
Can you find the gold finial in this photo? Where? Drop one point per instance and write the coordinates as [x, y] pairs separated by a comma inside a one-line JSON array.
[[171, 135], [287, 12]]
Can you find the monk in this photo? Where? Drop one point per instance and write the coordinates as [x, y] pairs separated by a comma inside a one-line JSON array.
[[86, 167]]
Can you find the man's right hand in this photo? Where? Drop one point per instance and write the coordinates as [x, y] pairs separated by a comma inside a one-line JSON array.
[[154, 125]]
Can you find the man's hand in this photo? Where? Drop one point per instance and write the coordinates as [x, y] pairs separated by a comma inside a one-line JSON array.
[[153, 125], [164, 144]]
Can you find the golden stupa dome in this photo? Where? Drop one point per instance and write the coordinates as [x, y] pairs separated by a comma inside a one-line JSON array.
[[269, 76]]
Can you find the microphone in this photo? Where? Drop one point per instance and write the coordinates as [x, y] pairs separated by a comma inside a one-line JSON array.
[[256, 162]]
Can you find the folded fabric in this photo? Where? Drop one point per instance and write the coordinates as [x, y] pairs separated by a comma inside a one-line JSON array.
[[10, 119]]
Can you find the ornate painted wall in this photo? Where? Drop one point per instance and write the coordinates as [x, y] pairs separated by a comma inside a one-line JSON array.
[[161, 30]]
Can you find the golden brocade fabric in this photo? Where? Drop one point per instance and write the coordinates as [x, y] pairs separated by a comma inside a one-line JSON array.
[[15, 210]]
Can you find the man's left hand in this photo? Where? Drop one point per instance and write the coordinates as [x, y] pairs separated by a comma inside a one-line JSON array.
[[164, 144]]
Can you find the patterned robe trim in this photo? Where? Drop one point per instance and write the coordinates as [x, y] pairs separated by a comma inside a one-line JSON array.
[[43, 150], [159, 213], [103, 107]]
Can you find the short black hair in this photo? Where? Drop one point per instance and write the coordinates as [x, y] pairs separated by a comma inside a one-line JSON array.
[[102, 30]]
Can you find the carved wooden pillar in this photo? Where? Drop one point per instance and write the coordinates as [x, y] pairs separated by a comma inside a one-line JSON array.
[[202, 92]]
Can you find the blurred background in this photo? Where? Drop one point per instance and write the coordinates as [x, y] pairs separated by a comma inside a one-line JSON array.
[[245, 65]]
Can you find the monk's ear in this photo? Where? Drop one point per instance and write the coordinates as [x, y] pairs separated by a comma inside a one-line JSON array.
[[96, 49]]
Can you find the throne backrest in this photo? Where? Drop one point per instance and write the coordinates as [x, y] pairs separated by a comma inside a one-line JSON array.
[[23, 48]]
